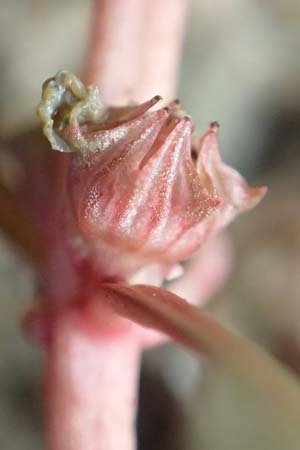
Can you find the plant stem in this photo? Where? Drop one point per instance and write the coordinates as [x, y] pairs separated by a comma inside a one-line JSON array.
[[92, 379], [91, 385], [135, 49]]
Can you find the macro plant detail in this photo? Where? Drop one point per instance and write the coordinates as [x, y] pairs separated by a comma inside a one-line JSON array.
[[137, 194], [119, 222]]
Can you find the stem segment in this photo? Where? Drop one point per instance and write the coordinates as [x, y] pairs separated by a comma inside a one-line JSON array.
[[91, 387], [92, 380], [135, 49]]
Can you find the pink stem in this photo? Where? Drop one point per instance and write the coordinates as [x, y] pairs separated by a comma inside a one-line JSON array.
[[135, 49], [92, 380], [91, 387]]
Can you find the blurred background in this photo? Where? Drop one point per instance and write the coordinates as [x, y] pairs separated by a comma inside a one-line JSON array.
[[240, 66]]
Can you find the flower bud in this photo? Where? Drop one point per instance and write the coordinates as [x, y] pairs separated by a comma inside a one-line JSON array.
[[133, 183]]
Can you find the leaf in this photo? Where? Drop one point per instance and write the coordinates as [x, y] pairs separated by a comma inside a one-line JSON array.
[[166, 312]]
